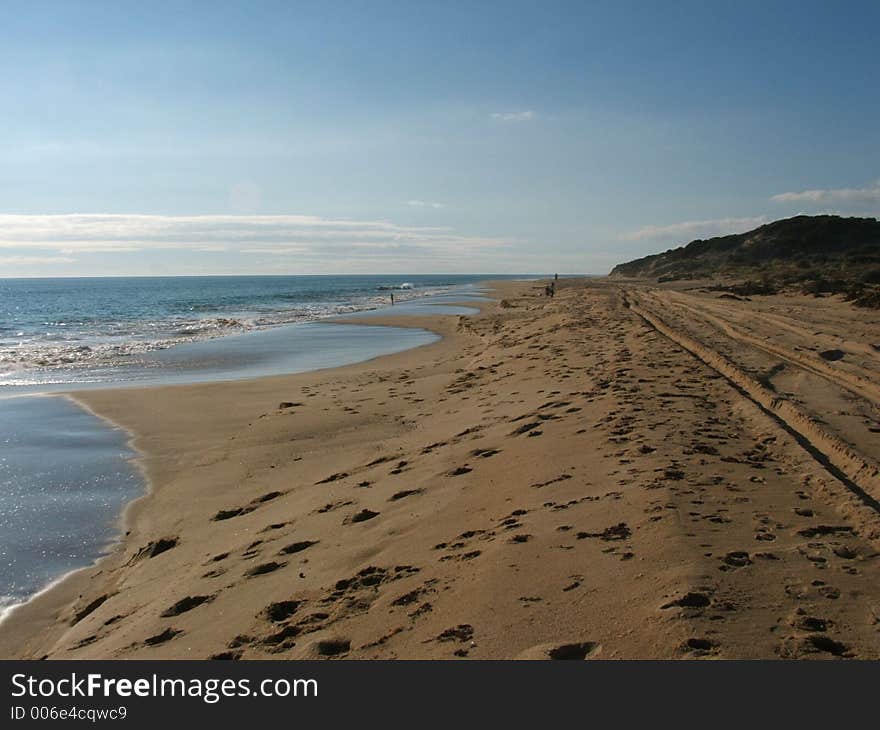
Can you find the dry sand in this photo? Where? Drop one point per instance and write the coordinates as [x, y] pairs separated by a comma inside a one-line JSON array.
[[619, 472]]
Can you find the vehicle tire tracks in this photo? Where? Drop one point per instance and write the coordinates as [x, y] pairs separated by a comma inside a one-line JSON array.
[[859, 474]]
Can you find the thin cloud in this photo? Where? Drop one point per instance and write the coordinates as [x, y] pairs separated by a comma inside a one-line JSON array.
[[523, 116], [690, 230], [424, 204], [867, 194], [37, 260], [274, 234]]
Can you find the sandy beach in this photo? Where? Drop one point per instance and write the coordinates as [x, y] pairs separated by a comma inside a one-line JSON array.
[[622, 471]]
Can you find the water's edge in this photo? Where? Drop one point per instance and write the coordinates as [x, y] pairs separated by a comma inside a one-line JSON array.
[[116, 538]]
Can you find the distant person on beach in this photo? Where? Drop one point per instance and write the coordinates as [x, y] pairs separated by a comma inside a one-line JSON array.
[[555, 277], [392, 299]]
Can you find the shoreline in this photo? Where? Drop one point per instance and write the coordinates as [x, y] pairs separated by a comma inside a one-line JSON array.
[[42, 607], [236, 324], [553, 478]]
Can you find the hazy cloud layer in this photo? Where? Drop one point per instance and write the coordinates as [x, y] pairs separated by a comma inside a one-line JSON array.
[[523, 116], [689, 230], [867, 194], [280, 235], [34, 260], [424, 204]]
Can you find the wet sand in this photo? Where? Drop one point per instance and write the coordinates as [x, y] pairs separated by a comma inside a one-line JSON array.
[[619, 472]]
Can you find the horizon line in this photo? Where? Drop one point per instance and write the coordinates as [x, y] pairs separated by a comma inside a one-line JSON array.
[[232, 276]]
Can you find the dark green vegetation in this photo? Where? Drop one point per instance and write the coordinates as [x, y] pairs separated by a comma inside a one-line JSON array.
[[819, 255]]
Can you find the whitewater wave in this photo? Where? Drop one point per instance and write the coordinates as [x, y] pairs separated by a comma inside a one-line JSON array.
[[118, 343]]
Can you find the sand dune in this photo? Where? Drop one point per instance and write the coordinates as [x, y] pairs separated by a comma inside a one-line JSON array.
[[618, 472]]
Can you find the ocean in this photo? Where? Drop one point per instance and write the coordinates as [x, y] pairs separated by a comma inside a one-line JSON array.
[[66, 475], [62, 331]]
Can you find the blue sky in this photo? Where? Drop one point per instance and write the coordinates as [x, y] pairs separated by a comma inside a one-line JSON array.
[[297, 137]]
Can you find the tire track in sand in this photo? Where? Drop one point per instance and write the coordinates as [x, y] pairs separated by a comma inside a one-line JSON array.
[[849, 381], [859, 474]]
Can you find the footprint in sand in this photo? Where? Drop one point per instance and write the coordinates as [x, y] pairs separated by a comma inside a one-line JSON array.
[[458, 471], [330, 506], [333, 478], [226, 656], [161, 638], [691, 599], [226, 514], [297, 547], [405, 493], [155, 547], [362, 516], [328, 647], [281, 610], [576, 650], [263, 569], [698, 646], [735, 559], [185, 604]]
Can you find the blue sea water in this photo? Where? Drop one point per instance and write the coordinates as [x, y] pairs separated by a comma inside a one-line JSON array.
[[66, 474], [64, 478], [57, 331]]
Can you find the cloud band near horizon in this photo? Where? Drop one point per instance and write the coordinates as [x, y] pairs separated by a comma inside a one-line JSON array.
[[267, 234], [866, 194], [695, 229]]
